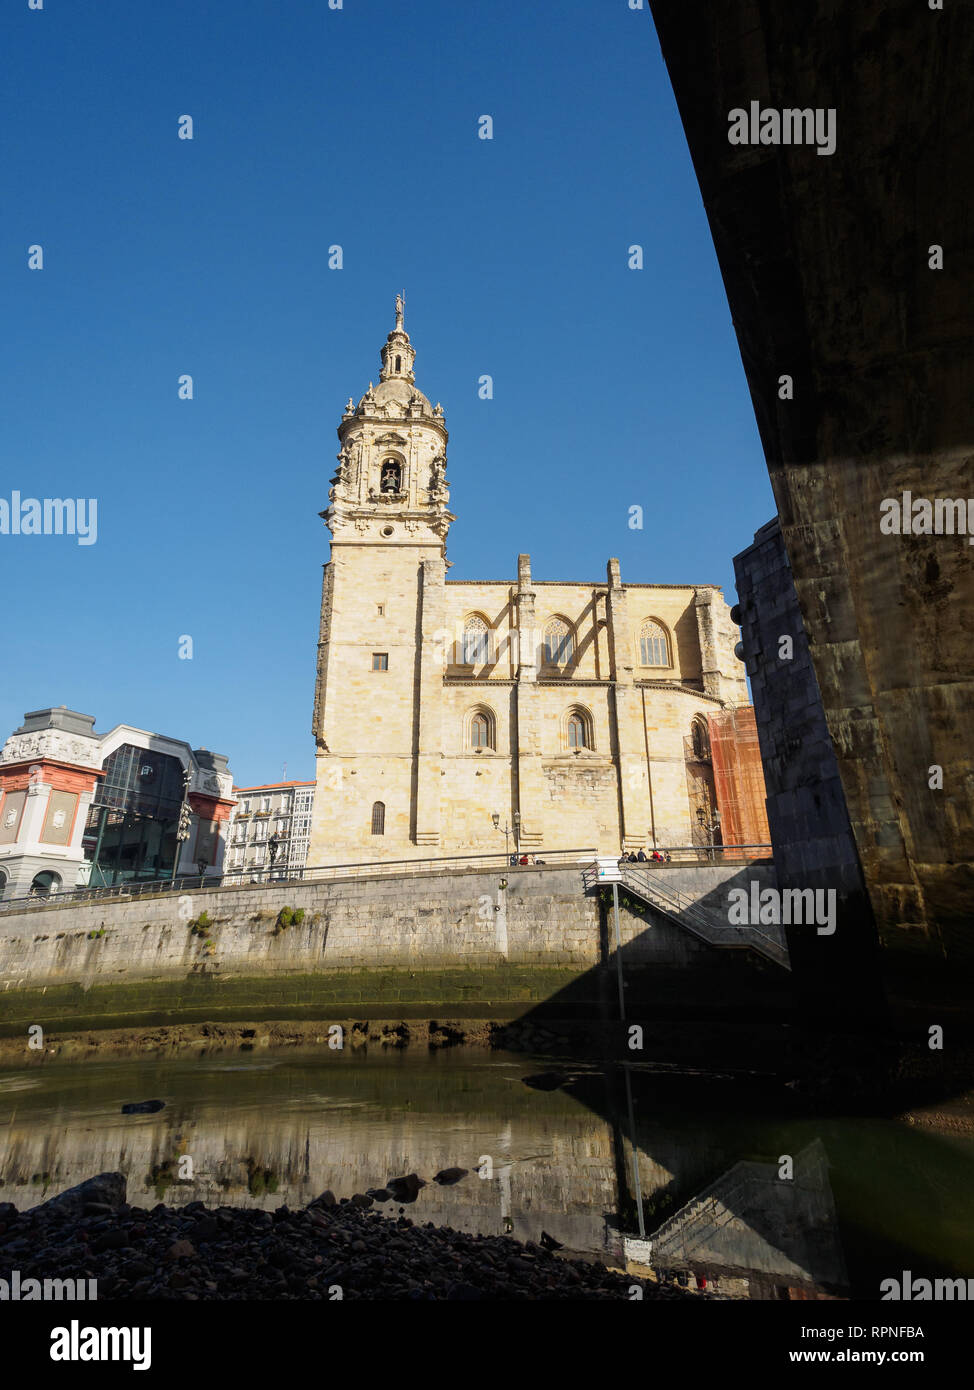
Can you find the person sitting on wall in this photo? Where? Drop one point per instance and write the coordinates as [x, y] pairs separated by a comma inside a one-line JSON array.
[[641, 857], [524, 860]]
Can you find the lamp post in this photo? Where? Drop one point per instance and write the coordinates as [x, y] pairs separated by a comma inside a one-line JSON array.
[[497, 825], [274, 846], [182, 827], [709, 825], [201, 865], [507, 832]]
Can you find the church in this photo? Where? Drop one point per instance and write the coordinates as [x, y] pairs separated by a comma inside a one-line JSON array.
[[578, 713]]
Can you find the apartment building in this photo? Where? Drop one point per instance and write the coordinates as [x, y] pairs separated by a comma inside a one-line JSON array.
[[270, 828]]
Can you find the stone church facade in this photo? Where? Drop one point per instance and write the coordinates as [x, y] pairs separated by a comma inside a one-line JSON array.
[[578, 709]]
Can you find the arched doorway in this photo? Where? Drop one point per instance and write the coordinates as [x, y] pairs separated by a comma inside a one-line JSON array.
[[45, 884]]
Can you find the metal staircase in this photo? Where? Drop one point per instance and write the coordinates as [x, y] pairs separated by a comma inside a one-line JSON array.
[[700, 921]]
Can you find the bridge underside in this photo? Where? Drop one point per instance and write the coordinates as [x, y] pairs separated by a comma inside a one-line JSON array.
[[826, 264]]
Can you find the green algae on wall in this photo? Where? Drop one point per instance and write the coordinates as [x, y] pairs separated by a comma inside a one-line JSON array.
[[500, 991]]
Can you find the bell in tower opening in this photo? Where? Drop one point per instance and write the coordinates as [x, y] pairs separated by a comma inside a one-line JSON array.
[[390, 479]]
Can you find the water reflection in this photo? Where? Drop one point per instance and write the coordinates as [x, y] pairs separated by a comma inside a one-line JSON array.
[[864, 1197]]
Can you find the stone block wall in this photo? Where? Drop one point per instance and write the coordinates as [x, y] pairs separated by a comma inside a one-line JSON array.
[[441, 939], [810, 828]]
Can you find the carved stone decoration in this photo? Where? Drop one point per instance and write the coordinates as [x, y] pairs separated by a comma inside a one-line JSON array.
[[51, 743]]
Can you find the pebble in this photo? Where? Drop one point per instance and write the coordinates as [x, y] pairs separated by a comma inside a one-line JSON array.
[[295, 1255]]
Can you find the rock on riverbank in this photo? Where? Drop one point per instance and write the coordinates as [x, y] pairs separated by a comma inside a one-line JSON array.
[[329, 1250]]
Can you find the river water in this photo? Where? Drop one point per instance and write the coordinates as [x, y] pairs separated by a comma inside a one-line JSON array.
[[864, 1198]]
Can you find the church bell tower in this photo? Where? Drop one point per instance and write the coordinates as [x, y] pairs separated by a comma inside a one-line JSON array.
[[378, 691], [390, 484]]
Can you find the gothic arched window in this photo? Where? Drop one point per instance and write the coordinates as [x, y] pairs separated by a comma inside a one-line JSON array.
[[700, 736], [379, 818], [653, 646], [476, 642], [481, 729], [578, 729], [559, 643]]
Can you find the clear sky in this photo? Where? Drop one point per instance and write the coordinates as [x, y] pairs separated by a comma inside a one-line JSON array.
[[357, 127]]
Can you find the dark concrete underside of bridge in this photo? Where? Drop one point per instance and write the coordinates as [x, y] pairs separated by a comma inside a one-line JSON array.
[[825, 260]]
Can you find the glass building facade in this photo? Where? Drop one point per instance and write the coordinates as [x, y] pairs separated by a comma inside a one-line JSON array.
[[131, 829]]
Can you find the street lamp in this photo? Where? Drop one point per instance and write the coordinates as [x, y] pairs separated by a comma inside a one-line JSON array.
[[201, 865], [497, 825], [182, 827], [507, 831], [274, 845], [709, 826]]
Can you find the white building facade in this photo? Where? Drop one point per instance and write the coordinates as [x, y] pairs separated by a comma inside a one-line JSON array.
[[270, 829]]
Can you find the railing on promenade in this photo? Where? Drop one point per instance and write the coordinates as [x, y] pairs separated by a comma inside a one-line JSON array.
[[682, 856], [392, 868], [705, 854], [275, 876]]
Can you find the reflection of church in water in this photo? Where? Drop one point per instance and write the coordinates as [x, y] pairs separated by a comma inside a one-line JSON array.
[[585, 712]]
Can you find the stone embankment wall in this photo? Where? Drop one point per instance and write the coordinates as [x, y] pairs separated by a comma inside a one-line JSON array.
[[457, 940]]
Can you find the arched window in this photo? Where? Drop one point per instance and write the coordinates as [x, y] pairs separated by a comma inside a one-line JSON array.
[[480, 728], [476, 642], [398, 364], [578, 729], [700, 736], [559, 643], [379, 818], [653, 647]]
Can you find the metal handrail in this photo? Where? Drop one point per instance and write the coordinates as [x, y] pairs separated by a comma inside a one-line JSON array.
[[272, 876], [698, 920]]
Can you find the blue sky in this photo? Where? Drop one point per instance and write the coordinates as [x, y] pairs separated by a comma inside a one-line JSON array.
[[357, 127]]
